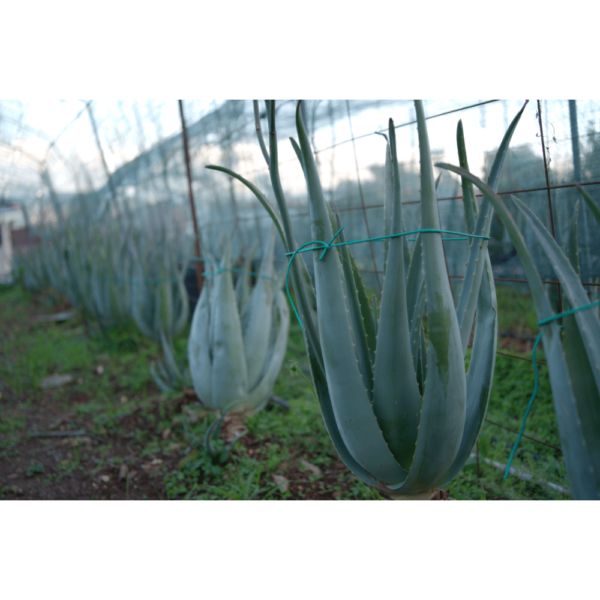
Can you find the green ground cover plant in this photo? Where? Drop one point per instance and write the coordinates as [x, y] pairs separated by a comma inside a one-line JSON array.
[[134, 443]]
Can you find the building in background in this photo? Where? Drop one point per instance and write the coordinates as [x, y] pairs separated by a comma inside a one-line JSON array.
[[11, 218]]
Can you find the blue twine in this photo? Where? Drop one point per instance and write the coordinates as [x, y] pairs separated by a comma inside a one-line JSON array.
[[326, 246], [536, 376]]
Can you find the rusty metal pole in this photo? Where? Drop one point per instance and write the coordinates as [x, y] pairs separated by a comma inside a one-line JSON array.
[[188, 166]]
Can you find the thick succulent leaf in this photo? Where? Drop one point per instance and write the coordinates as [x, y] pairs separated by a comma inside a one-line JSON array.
[[159, 382], [356, 422], [589, 324], [303, 286], [182, 307], [305, 295], [469, 203], [375, 313], [591, 204], [366, 310], [170, 360], [259, 395], [416, 328], [322, 391], [388, 203], [259, 322], [199, 356], [584, 483], [584, 387], [481, 371], [414, 279], [573, 241], [478, 250], [229, 375], [581, 341], [364, 351], [243, 288], [396, 395], [259, 195], [444, 401]]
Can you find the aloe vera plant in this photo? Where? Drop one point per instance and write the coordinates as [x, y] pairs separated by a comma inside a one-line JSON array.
[[398, 406], [238, 340], [573, 357]]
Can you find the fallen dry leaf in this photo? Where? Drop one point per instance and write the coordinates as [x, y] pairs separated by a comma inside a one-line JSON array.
[[105, 478], [282, 482], [312, 468]]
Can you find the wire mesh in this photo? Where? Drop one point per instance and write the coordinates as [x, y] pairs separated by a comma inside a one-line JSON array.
[[60, 158]]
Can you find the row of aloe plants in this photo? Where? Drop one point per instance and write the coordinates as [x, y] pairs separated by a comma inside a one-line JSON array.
[[115, 273], [399, 408]]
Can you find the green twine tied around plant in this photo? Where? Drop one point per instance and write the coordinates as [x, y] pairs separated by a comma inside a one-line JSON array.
[[326, 246]]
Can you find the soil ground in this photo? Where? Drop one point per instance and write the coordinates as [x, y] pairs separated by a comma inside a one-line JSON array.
[[110, 433]]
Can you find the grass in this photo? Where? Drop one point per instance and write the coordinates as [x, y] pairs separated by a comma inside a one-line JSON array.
[[133, 425]]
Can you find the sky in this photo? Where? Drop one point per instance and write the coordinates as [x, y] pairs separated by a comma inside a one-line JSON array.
[[34, 124]]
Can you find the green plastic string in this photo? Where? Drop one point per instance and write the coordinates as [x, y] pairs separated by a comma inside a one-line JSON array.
[[326, 246], [536, 376]]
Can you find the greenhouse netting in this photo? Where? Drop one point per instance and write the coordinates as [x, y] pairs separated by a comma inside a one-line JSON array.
[[68, 160]]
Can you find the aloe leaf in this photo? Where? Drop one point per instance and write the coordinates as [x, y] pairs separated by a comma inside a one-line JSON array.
[[182, 310], [444, 400], [305, 296], [478, 250], [591, 204], [584, 387], [388, 203], [357, 424], [470, 205], [199, 355], [369, 317], [229, 370], [170, 361], [396, 395], [258, 331], [259, 396], [375, 313], [331, 424], [589, 324], [259, 195], [414, 279], [481, 371], [162, 386], [416, 328], [584, 483], [364, 351], [243, 288]]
